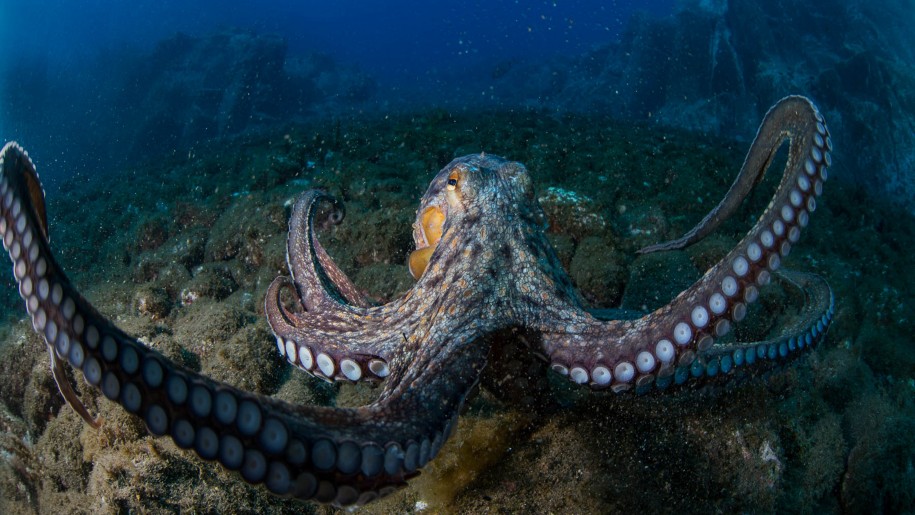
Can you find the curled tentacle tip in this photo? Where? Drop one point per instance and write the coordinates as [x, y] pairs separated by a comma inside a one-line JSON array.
[[647, 250], [330, 211], [336, 215]]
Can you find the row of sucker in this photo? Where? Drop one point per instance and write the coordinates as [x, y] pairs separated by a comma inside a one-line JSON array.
[[365, 463], [313, 351], [331, 367], [727, 360], [735, 283], [320, 356], [243, 432]]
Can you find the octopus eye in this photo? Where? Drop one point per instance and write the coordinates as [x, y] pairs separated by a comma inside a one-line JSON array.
[[452, 181]]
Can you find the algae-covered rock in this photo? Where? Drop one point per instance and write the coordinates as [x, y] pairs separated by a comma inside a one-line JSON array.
[[171, 261], [40, 401], [17, 355], [212, 281], [151, 233], [242, 231], [644, 224], [879, 472], [206, 325], [128, 471], [627, 455], [62, 454], [386, 281], [248, 360], [564, 246], [821, 449], [655, 279], [598, 271], [151, 301], [571, 213], [376, 229]]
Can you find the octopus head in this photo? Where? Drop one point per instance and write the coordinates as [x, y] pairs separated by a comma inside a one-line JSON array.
[[465, 193]]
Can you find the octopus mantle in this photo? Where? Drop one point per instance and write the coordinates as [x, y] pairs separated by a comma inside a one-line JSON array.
[[482, 265]]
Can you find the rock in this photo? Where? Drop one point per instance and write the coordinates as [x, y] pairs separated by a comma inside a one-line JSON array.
[[152, 302], [191, 89], [572, 213], [599, 272], [212, 280], [206, 325], [384, 281], [187, 91], [151, 233], [879, 473], [564, 247], [646, 224], [655, 279], [185, 250], [243, 230], [247, 360]]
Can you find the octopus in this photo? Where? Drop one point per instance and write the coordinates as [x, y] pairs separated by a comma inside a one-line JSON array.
[[483, 267]]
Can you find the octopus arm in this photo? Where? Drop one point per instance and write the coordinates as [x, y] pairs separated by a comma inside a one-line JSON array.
[[338, 336], [768, 140], [803, 329], [340, 456], [321, 284], [336, 345], [677, 339]]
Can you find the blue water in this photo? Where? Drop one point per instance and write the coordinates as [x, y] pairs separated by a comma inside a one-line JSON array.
[[64, 61], [71, 72], [389, 38]]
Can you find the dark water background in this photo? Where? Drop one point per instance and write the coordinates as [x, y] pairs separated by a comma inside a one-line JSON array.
[[63, 53], [394, 40], [111, 78]]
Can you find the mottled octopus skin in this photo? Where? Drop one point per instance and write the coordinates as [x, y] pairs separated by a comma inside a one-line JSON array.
[[492, 270]]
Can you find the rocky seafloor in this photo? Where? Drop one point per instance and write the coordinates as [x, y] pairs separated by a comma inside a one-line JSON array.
[[180, 252]]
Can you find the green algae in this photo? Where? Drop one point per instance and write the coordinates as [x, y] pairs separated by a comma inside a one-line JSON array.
[[182, 253]]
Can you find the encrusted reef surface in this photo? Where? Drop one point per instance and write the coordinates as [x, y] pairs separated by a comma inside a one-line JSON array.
[[182, 252]]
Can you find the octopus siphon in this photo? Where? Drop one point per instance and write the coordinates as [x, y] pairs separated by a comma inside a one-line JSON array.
[[482, 265]]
